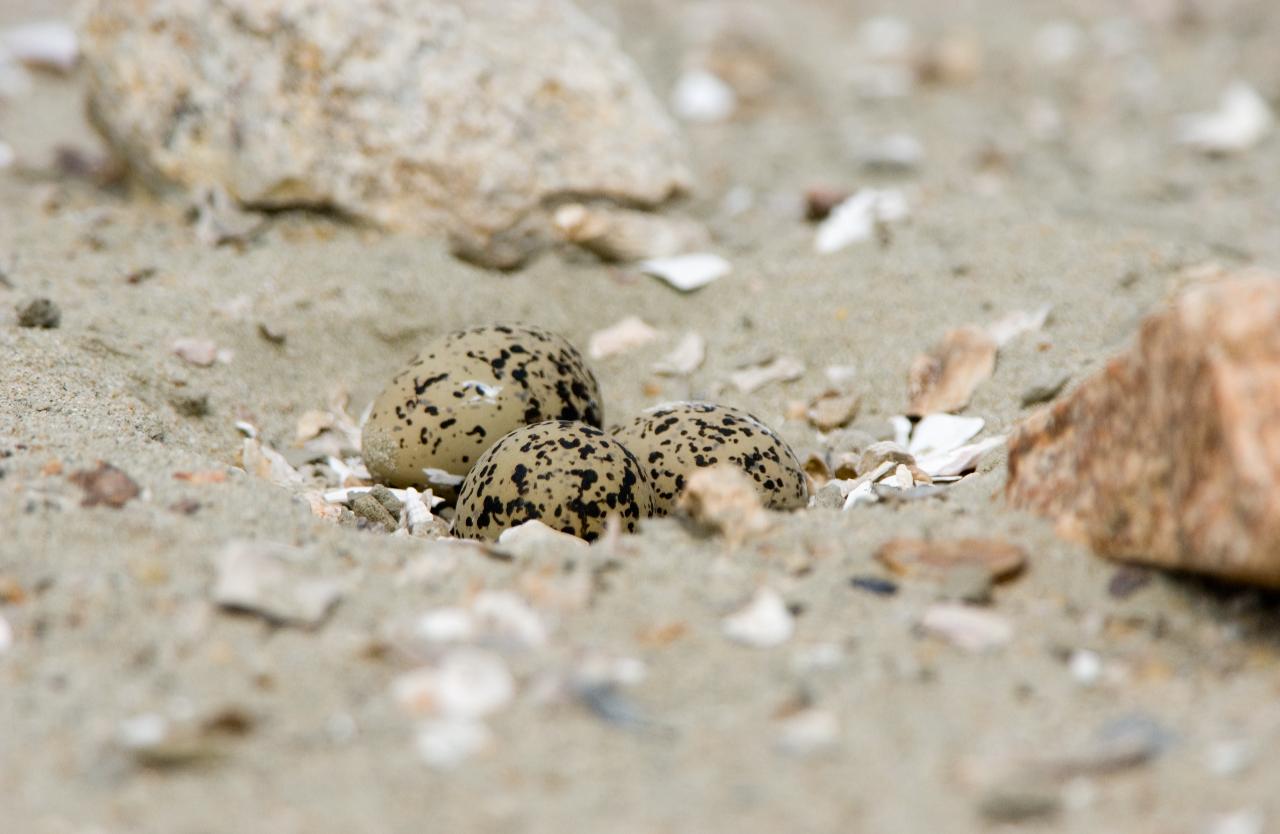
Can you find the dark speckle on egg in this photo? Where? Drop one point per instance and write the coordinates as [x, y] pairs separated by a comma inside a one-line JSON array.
[[568, 475], [673, 440]]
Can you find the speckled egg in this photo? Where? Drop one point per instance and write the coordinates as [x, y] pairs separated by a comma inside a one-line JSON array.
[[675, 439], [570, 476], [463, 392]]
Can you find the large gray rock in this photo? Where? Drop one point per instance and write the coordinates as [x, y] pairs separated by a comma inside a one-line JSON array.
[[466, 116]]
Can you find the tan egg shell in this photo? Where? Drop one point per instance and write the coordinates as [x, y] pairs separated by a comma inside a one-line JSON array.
[[568, 475], [673, 440], [467, 389]]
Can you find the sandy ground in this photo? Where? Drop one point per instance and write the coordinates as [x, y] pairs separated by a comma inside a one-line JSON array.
[[112, 615]]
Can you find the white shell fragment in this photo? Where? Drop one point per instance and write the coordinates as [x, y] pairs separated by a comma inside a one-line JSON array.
[[7, 156], [895, 152], [808, 732], [624, 235], [445, 744], [46, 44], [1017, 323], [685, 358], [855, 220], [624, 336], [466, 684], [6, 635], [942, 433], [763, 623], [533, 537], [1241, 121], [200, 352], [939, 443], [261, 461], [779, 369], [959, 460], [701, 96], [688, 272], [966, 627], [275, 582]]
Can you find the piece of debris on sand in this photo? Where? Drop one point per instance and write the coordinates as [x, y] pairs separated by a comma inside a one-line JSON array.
[[723, 499], [764, 622], [624, 336], [935, 558], [105, 485], [278, 583], [944, 379], [1171, 454]]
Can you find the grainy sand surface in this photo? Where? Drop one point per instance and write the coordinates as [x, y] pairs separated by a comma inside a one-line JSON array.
[[1101, 222]]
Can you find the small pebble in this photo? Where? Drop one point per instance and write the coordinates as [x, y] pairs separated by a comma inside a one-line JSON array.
[[763, 623], [388, 499], [967, 583], [1042, 392], [105, 485], [1127, 581], [830, 496], [1013, 804], [39, 312], [370, 508], [192, 405], [875, 585]]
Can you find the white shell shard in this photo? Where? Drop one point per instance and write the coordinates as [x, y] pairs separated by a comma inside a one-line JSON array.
[[262, 461], [688, 272], [885, 38], [7, 156], [781, 369], [445, 744], [47, 44], [1015, 324], [441, 478], [941, 433], [1241, 121], [685, 358], [275, 582], [416, 517], [624, 336], [959, 460], [200, 352], [808, 732], [855, 219], [446, 625], [896, 152], [6, 635], [465, 684], [966, 627], [505, 616], [533, 537], [763, 623], [701, 96]]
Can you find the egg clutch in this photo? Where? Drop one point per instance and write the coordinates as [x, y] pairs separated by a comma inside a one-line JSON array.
[[507, 421]]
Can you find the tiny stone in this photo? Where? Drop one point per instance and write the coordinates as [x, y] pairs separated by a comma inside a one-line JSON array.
[[387, 499], [192, 405], [1042, 392], [1127, 581], [1018, 804], [39, 312], [105, 485], [366, 506], [875, 585], [967, 583], [271, 333], [829, 497]]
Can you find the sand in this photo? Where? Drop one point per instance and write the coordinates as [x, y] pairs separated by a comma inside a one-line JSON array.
[[115, 618]]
